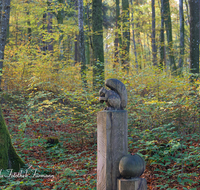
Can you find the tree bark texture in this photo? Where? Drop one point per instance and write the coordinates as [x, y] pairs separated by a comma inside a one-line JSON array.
[[194, 36], [117, 41], [81, 42], [168, 28], [153, 37], [126, 34], [4, 23], [97, 26], [133, 33], [181, 18], [162, 37], [9, 159]]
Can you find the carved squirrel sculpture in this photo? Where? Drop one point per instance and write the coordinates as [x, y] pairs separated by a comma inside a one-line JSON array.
[[116, 98]]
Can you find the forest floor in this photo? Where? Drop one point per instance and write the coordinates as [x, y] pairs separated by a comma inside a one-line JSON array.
[[72, 163]]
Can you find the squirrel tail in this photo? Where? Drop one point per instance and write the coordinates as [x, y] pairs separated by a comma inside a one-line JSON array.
[[119, 88]]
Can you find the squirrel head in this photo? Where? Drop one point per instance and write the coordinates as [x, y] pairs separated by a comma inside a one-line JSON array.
[[102, 92]]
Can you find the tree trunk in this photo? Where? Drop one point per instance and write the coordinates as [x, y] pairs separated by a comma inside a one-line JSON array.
[[49, 26], [168, 28], [133, 33], [87, 50], [199, 20], [117, 34], [181, 16], [4, 24], [60, 19], [81, 42], [76, 51], [162, 37], [9, 159], [89, 36], [44, 22], [153, 38], [194, 36], [97, 26], [126, 34], [28, 21]]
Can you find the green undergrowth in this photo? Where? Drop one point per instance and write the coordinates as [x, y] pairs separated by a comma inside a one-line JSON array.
[[163, 123]]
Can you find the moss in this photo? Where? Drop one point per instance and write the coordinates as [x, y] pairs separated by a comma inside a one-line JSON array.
[[9, 159]]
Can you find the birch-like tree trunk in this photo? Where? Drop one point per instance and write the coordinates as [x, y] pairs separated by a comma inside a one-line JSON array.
[[81, 42], [9, 159]]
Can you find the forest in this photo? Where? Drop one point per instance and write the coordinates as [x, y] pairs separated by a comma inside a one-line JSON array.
[[55, 55]]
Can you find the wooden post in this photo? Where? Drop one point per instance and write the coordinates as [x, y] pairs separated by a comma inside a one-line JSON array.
[[112, 145], [132, 184]]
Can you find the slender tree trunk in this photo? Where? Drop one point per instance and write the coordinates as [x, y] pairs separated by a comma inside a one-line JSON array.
[[117, 34], [194, 36], [162, 36], [181, 16], [76, 51], [133, 33], [187, 10], [49, 26], [90, 37], [60, 19], [153, 38], [17, 28], [81, 42], [97, 26], [44, 45], [116, 49], [9, 159], [76, 41], [87, 50], [28, 21], [168, 27], [126, 34]]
